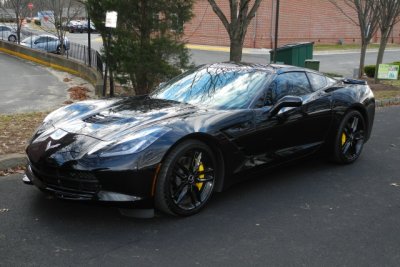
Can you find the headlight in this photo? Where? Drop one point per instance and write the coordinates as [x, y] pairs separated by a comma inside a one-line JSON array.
[[46, 125], [131, 143]]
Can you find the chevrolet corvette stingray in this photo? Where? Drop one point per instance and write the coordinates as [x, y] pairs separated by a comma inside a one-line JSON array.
[[197, 134]]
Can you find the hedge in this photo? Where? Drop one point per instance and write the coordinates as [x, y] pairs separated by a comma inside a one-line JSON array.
[[370, 71]]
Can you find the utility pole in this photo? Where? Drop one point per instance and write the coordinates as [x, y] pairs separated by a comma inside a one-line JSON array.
[[276, 29], [89, 41]]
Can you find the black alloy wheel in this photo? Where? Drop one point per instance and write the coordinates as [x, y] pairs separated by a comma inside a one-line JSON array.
[[186, 180], [350, 138]]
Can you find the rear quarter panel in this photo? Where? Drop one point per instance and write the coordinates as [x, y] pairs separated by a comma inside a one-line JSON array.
[[352, 96]]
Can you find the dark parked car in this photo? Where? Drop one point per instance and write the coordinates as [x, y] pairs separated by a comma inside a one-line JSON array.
[[197, 134], [85, 27], [74, 26]]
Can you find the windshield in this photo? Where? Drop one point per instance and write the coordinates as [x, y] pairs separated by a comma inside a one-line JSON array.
[[29, 39], [215, 87]]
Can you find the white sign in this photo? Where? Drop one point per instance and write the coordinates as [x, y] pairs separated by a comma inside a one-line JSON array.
[[388, 72], [47, 19], [111, 19]]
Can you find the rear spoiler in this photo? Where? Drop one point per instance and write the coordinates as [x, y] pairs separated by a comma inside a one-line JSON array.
[[353, 81]]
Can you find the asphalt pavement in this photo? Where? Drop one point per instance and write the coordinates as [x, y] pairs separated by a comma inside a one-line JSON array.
[[26, 86], [314, 213]]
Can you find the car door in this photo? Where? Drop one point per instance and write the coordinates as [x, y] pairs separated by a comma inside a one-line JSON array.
[[293, 131], [52, 44], [4, 32], [39, 43]]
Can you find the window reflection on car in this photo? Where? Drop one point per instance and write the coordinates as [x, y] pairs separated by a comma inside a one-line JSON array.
[[218, 88]]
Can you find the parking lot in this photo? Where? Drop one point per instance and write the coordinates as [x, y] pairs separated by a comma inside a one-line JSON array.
[[314, 213], [25, 86]]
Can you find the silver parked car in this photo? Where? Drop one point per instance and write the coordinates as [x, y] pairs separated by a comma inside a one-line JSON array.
[[48, 43], [8, 33]]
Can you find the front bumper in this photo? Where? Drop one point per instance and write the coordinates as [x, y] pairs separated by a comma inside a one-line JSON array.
[[94, 187]]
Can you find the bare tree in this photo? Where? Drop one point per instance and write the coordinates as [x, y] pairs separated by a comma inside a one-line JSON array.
[[367, 21], [240, 18], [389, 15], [20, 8], [63, 11]]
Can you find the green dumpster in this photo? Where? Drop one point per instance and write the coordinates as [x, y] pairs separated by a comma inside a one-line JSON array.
[[294, 54], [312, 64]]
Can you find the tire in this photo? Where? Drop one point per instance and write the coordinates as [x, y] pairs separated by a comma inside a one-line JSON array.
[[186, 179], [12, 38], [59, 49], [349, 139]]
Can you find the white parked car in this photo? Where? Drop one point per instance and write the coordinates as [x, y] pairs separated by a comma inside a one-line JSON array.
[[48, 43], [8, 33]]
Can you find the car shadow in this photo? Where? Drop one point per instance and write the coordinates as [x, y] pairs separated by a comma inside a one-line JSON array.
[[259, 196]]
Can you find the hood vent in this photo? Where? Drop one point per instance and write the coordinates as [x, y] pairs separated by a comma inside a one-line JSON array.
[[101, 119]]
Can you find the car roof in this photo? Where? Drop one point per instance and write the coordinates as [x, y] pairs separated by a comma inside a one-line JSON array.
[[47, 35], [274, 68]]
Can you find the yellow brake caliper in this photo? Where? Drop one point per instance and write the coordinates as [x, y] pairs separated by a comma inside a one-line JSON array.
[[201, 176], [344, 138]]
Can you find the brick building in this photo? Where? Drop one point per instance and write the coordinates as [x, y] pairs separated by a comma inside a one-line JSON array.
[[317, 21]]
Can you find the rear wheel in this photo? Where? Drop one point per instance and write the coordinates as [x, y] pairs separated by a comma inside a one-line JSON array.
[[350, 138], [12, 38], [186, 179]]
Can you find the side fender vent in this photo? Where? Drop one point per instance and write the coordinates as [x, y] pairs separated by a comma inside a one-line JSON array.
[[353, 81]]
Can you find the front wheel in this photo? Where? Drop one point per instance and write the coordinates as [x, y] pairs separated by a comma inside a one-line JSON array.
[[58, 51], [186, 179], [350, 138]]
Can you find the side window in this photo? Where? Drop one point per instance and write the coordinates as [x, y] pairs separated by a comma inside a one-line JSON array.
[[331, 81], [40, 40], [291, 83], [317, 81]]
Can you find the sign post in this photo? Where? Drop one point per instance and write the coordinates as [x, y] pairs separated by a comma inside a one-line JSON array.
[[30, 6], [111, 23]]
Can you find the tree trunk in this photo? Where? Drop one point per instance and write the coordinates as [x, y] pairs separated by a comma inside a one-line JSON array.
[[364, 46], [381, 52], [141, 74], [236, 50], [18, 28]]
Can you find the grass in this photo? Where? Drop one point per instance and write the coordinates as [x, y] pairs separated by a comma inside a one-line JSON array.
[[385, 94], [393, 90], [392, 82], [16, 129], [327, 47]]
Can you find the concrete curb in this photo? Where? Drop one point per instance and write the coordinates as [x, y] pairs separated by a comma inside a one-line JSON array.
[[12, 161]]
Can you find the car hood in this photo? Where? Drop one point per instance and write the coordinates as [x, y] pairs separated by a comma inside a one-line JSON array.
[[112, 119]]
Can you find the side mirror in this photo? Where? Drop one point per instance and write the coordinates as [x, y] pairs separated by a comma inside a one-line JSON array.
[[285, 102]]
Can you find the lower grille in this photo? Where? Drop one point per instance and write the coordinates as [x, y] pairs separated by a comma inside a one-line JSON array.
[[75, 181]]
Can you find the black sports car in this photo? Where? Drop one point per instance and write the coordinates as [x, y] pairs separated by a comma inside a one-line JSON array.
[[197, 134]]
